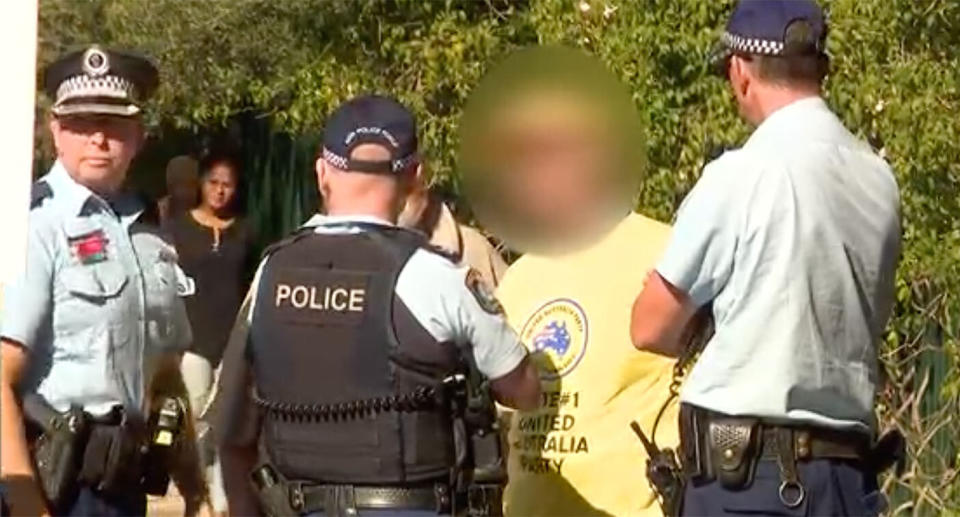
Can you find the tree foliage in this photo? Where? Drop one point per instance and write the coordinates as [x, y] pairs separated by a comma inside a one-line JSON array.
[[895, 81]]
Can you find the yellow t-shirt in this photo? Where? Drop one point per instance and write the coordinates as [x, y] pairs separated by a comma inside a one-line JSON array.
[[576, 455]]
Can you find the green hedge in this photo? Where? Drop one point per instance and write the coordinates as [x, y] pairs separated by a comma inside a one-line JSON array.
[[283, 65]]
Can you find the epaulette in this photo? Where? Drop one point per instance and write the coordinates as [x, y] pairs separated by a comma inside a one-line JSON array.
[[39, 192], [454, 258], [298, 234]]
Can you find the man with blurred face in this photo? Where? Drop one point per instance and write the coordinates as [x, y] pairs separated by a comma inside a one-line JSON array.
[[794, 240], [553, 154], [97, 315]]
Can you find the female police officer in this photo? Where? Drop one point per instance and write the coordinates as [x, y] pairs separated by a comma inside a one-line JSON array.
[[97, 313]]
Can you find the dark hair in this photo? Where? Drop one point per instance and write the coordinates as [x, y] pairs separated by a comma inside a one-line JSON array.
[[213, 159], [803, 62]]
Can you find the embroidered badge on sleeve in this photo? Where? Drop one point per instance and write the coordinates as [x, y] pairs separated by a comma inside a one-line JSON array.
[[482, 293]]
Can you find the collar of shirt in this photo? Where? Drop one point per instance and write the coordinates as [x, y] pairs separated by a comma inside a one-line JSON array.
[[352, 223], [790, 118], [75, 198]]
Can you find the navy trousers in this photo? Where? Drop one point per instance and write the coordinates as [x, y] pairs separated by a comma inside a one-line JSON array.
[[833, 488], [94, 504]]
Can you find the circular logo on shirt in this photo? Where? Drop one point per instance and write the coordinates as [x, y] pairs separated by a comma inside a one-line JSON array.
[[557, 334]]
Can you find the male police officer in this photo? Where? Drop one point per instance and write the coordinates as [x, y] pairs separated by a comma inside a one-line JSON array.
[[794, 239], [357, 335], [97, 313]]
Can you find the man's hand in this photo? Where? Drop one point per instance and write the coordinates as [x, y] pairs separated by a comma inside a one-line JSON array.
[[22, 492], [661, 314]]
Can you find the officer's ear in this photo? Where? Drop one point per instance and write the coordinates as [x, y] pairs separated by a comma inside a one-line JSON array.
[[322, 176], [54, 125], [740, 75]]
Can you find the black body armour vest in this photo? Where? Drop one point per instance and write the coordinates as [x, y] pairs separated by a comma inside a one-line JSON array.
[[345, 375]]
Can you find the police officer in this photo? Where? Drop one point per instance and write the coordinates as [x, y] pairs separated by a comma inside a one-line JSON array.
[[794, 239], [357, 336], [97, 313]]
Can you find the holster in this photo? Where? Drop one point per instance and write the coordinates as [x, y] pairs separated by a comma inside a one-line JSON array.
[[113, 459], [57, 449], [272, 492]]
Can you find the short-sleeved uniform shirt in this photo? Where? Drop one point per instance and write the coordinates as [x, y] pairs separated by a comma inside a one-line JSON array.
[[99, 302], [431, 287], [795, 238], [576, 455]]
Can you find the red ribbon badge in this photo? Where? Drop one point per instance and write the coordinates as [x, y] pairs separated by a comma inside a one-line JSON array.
[[90, 248]]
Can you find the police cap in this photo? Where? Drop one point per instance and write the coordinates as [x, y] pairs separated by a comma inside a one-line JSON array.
[[371, 119], [759, 27], [100, 81]]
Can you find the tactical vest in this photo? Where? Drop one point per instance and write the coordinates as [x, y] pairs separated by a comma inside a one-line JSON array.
[[349, 383]]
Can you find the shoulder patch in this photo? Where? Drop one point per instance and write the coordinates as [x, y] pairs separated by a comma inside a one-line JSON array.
[[482, 293], [38, 193]]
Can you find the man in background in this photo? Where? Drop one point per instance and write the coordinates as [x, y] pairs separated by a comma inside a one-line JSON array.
[[183, 187], [427, 212]]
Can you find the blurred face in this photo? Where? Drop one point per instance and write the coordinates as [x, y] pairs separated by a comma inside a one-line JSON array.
[[219, 187], [96, 150], [555, 163]]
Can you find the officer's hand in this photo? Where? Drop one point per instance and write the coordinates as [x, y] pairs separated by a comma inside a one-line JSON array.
[[519, 389], [23, 497]]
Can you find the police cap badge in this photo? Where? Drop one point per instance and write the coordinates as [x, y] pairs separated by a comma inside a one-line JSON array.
[[100, 81]]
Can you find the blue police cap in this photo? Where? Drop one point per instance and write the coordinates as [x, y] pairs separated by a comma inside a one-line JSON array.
[[100, 81], [371, 119], [759, 27]]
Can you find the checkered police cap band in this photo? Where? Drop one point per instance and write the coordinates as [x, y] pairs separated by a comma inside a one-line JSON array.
[[740, 44], [346, 164], [85, 87]]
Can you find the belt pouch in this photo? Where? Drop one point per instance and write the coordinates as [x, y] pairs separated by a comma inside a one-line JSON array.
[[111, 461], [732, 444], [690, 451]]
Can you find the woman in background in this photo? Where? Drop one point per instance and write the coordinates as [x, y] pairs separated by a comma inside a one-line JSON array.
[[215, 247]]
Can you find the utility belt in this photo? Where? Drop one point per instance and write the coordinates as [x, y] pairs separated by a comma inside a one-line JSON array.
[[117, 453], [281, 497], [725, 448]]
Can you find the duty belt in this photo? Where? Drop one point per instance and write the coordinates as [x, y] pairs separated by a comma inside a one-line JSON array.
[[344, 498], [726, 448]]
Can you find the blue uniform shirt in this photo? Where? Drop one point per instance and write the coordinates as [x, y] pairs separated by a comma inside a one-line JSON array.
[[99, 301]]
